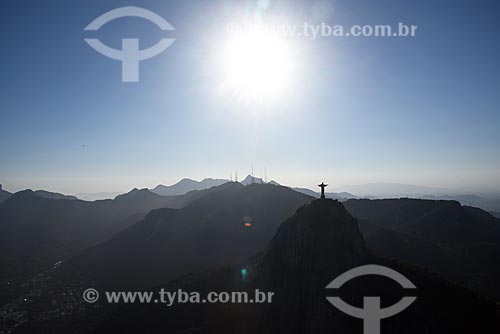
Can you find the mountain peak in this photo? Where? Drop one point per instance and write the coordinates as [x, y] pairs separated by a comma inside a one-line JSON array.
[[23, 194], [135, 193], [250, 179], [324, 230]]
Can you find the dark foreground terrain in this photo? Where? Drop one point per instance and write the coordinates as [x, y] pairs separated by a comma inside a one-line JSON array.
[[311, 248]]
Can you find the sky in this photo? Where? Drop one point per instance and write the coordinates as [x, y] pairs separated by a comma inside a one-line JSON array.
[[420, 110]]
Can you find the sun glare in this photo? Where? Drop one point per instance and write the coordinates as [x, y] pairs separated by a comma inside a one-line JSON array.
[[256, 66]]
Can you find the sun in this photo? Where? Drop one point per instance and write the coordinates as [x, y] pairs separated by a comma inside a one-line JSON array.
[[256, 65]]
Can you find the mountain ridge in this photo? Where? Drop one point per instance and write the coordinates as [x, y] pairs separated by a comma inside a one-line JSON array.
[[202, 231], [457, 241]]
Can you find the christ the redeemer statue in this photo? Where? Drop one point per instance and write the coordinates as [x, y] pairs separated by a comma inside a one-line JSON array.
[[322, 186]]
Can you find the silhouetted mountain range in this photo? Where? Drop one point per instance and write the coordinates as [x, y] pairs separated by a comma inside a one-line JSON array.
[[185, 185], [460, 242], [141, 239], [207, 233], [311, 248], [438, 221], [36, 231]]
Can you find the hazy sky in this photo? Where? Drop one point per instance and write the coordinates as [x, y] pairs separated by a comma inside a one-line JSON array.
[[422, 110]]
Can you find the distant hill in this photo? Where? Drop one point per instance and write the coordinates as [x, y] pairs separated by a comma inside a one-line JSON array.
[[311, 248], [490, 202], [495, 214], [52, 195], [444, 222], [208, 232], [186, 185], [4, 195]]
